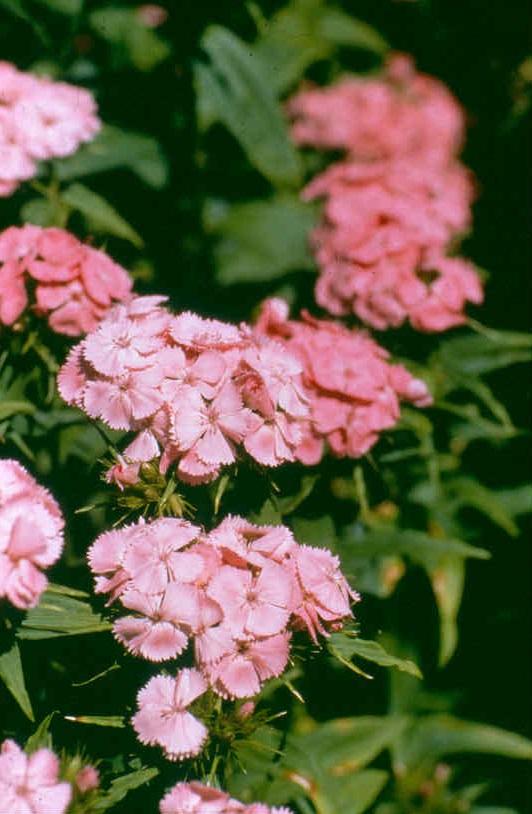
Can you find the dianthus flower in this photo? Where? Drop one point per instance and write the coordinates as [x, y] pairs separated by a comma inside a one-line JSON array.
[[31, 535], [40, 119], [30, 784], [199, 393], [60, 278], [163, 717], [196, 798], [381, 243], [234, 594], [354, 391], [399, 113]]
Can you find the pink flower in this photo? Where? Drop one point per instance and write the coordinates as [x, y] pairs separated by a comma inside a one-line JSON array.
[[398, 113], [353, 390], [76, 284], [195, 798], [87, 779], [151, 15], [39, 119], [29, 785], [201, 393], [253, 605], [163, 717], [240, 672], [324, 592], [31, 535]]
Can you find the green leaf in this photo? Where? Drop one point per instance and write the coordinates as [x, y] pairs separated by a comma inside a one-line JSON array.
[[122, 27], [447, 579], [341, 745], [41, 738], [236, 91], [11, 408], [342, 29], [436, 736], [419, 547], [12, 674], [261, 240], [113, 721], [70, 7], [44, 212], [351, 646], [476, 355], [17, 9], [319, 531], [517, 500], [113, 148], [120, 786], [350, 794], [100, 215], [465, 491], [59, 615], [303, 33]]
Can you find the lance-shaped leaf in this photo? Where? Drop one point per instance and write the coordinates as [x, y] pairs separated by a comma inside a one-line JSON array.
[[447, 579], [350, 793], [113, 148], [12, 674], [120, 786], [465, 491], [236, 91], [437, 736], [348, 646], [99, 214], [260, 240], [124, 29], [61, 615]]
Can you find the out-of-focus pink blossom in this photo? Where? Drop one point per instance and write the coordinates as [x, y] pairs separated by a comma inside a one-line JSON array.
[[74, 285], [87, 779], [354, 391], [30, 784], [199, 393], [385, 227], [31, 535], [196, 798], [40, 119], [399, 113], [163, 717], [151, 15]]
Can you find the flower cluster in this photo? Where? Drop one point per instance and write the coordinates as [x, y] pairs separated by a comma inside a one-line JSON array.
[[64, 280], [198, 390], [30, 785], [31, 535], [196, 798], [236, 594], [354, 391], [39, 119], [399, 203]]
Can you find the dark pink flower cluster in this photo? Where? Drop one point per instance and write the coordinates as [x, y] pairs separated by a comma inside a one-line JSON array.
[[196, 798], [236, 594], [199, 390], [30, 784], [31, 535], [354, 391], [39, 119], [398, 204], [60, 278]]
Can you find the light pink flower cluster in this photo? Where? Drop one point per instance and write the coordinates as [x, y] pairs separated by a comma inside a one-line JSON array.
[[31, 535], [399, 113], [236, 594], [354, 391], [198, 390], [39, 119], [60, 278], [30, 784], [398, 204], [196, 798]]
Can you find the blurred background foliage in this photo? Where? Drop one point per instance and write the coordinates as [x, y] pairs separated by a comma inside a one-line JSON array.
[[194, 186]]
